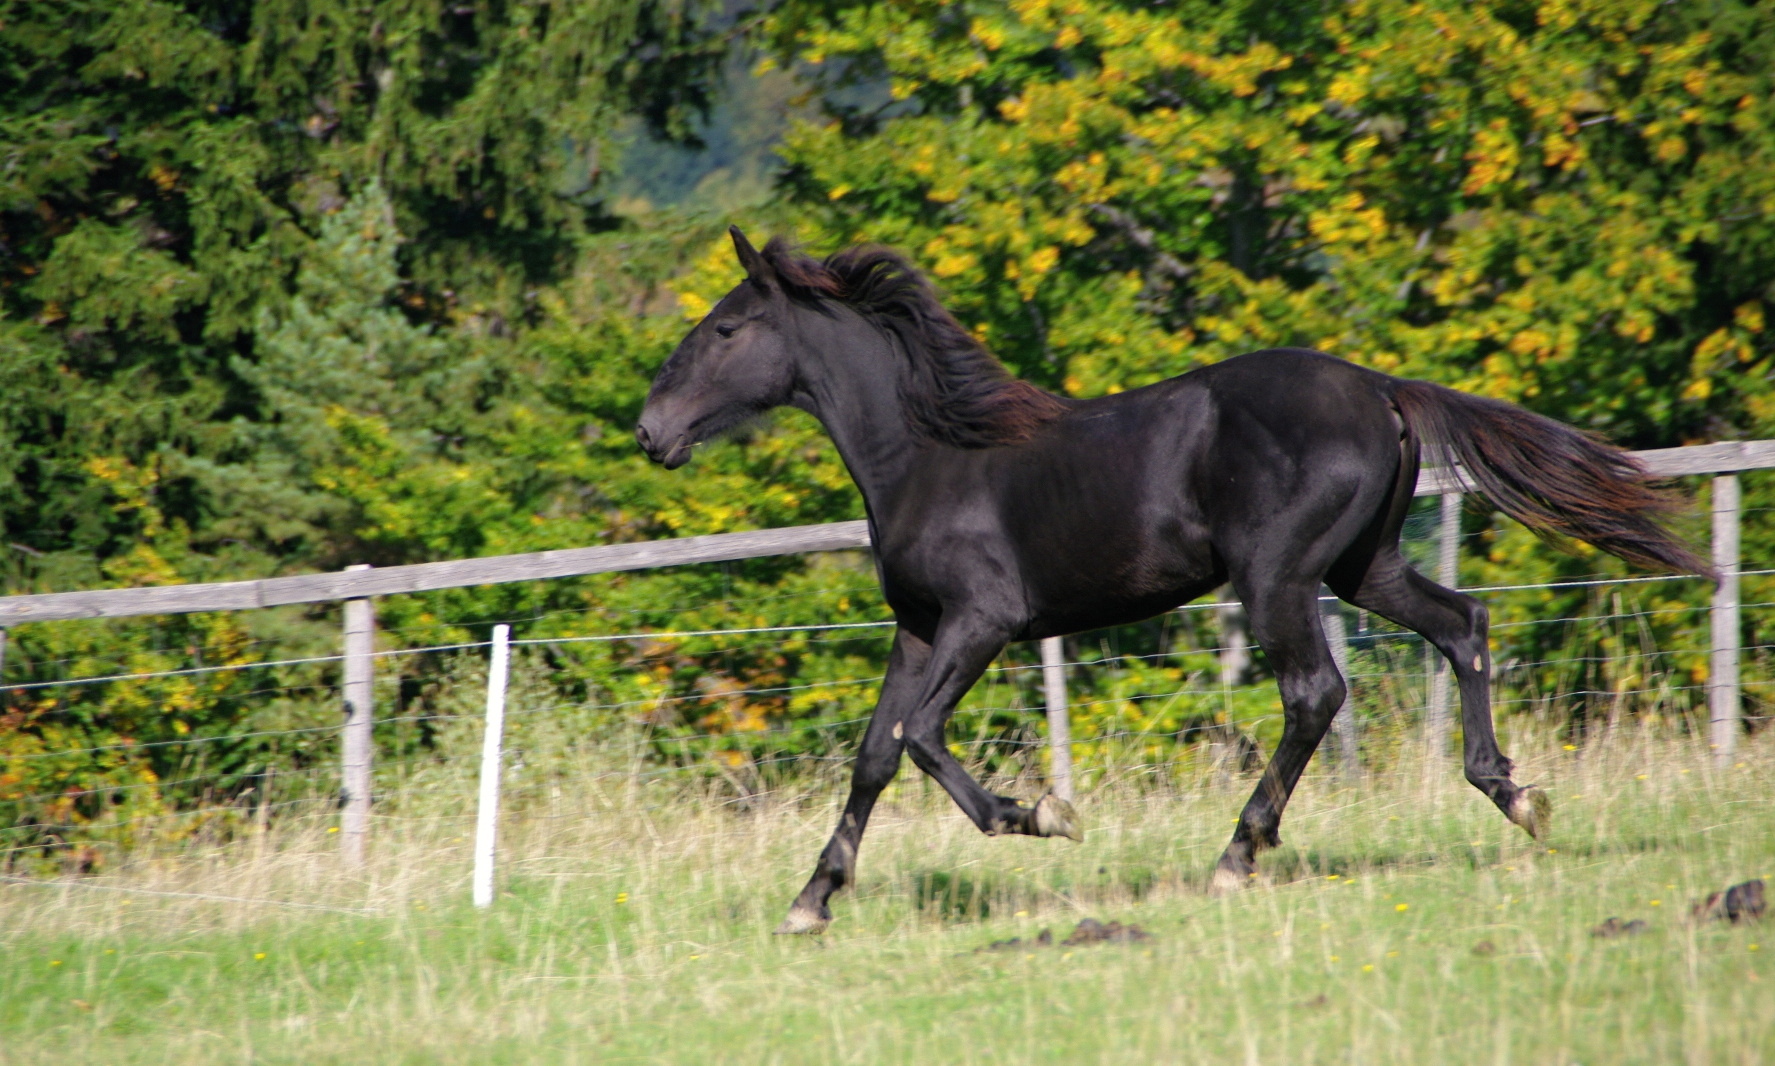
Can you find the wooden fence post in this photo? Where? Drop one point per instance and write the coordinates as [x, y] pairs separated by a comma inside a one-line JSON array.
[[1440, 721], [1722, 675], [360, 646], [487, 817], [1349, 753], [1059, 718]]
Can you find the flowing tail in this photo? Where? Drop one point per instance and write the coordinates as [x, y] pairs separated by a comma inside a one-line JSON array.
[[1556, 480]]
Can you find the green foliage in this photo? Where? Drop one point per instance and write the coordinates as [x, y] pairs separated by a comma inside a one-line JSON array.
[[1563, 205], [286, 286]]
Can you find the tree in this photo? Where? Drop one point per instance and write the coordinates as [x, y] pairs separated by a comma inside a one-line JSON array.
[[170, 165], [1560, 204], [1566, 205]]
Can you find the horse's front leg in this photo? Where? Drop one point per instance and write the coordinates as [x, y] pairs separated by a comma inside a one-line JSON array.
[[963, 650], [877, 761]]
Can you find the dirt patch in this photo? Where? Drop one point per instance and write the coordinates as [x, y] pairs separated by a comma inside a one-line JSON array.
[[1089, 931], [1615, 927], [1092, 931], [1017, 943]]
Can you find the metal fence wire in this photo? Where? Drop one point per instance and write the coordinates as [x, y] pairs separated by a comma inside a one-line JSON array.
[[1167, 697]]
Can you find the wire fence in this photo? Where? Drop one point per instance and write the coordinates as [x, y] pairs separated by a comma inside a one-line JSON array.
[[1156, 701], [224, 740]]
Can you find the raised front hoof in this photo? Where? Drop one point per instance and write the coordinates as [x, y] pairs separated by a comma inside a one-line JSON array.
[[1054, 817], [804, 921], [1533, 810], [1231, 874]]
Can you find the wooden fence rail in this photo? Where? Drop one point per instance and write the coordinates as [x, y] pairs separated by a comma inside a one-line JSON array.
[[609, 558], [356, 586]]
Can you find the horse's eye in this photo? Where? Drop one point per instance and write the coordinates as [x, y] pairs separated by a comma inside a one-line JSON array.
[[726, 329]]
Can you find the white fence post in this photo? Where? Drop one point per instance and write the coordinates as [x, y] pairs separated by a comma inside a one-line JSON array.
[[1349, 752], [1059, 718], [360, 647], [1722, 675], [487, 817], [1440, 721]]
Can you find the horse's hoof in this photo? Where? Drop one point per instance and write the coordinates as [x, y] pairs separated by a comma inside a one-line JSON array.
[[803, 921], [1226, 881], [1533, 810], [1054, 817]]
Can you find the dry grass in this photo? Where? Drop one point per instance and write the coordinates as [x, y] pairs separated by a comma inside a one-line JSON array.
[[633, 925]]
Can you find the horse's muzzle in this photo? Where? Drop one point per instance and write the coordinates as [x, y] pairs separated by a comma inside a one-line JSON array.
[[671, 456]]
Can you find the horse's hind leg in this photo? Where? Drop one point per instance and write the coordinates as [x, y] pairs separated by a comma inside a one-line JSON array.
[[1455, 624], [878, 760], [1285, 622]]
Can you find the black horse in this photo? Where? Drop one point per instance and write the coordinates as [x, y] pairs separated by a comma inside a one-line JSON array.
[[1000, 512]]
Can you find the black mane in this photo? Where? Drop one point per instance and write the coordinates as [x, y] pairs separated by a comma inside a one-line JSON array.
[[955, 391]]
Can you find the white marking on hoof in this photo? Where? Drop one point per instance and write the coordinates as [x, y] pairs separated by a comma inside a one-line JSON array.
[[1533, 810], [1225, 882], [1054, 817], [802, 921]]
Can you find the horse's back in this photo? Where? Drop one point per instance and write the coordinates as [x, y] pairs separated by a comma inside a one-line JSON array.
[[1307, 458], [1133, 503]]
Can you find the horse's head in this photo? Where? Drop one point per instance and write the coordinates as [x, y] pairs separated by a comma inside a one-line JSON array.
[[735, 364]]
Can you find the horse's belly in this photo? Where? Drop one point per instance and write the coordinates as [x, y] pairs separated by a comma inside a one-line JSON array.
[[1112, 576]]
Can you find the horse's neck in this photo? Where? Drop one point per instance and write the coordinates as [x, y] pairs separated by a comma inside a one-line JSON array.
[[851, 379]]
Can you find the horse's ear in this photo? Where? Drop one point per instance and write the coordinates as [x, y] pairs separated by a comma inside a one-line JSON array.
[[758, 269]]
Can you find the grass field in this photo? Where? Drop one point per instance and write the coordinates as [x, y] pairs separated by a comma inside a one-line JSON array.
[[1404, 921]]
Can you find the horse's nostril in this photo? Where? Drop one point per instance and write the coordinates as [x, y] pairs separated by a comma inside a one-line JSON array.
[[644, 438]]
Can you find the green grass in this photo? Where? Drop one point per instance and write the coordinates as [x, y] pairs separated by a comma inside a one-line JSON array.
[[634, 926]]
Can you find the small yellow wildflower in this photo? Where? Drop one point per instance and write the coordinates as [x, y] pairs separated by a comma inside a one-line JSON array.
[[258, 955], [622, 897], [1402, 907]]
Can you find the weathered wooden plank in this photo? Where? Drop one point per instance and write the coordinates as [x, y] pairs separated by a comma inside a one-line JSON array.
[[119, 603], [1722, 458], [1439, 721], [1437, 481], [1725, 458], [424, 577], [1724, 695], [1059, 717], [356, 747]]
